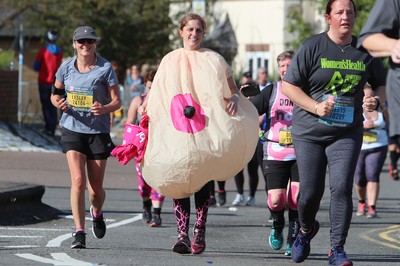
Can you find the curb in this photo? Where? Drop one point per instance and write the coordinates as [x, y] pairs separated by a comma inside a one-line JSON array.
[[11, 193], [21, 204]]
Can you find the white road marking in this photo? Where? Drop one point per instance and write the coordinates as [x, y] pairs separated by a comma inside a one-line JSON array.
[[4, 236], [126, 221], [62, 259], [20, 246], [56, 242], [59, 259], [86, 218], [31, 229]]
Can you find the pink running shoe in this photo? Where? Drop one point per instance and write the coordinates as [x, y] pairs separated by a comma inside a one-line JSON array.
[[361, 209], [182, 245], [199, 241], [371, 213]]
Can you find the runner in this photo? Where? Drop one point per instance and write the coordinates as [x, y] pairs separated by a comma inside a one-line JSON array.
[[325, 80], [371, 160], [86, 90], [280, 167]]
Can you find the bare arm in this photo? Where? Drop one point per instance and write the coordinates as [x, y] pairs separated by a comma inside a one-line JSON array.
[[379, 45], [301, 99], [232, 102], [142, 109], [133, 110], [371, 103], [113, 105], [232, 86], [380, 92]]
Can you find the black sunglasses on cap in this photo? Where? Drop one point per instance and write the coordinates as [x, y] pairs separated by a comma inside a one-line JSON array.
[[89, 41]]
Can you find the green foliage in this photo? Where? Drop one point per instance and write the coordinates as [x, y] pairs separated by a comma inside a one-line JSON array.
[[298, 26], [6, 57], [363, 9], [131, 31]]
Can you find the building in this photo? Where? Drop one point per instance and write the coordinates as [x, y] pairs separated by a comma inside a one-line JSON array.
[[260, 29], [11, 26]]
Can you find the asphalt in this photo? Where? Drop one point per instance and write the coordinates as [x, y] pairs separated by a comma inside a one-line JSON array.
[[14, 196]]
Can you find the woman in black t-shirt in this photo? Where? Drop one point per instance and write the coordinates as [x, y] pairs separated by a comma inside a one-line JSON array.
[[325, 80]]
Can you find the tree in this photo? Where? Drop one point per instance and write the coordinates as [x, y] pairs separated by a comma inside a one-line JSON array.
[[303, 29], [298, 26], [132, 31]]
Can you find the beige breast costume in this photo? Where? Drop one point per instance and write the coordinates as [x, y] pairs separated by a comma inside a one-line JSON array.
[[191, 137]]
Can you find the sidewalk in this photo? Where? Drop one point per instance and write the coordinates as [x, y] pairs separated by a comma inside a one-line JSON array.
[[17, 137]]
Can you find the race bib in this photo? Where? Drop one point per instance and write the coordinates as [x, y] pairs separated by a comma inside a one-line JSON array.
[[285, 137], [342, 114], [80, 98], [370, 136]]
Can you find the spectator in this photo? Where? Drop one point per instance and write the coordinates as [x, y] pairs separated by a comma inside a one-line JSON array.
[[134, 82], [262, 78], [47, 61]]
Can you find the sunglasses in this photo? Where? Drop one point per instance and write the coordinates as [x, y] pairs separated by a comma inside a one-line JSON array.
[[83, 41]]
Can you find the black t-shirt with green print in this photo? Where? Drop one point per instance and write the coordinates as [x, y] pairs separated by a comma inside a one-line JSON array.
[[321, 68]]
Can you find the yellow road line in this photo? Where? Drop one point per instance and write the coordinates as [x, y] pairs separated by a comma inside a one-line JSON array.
[[383, 235]]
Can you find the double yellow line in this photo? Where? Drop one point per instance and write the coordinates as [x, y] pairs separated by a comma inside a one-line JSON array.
[[384, 236]]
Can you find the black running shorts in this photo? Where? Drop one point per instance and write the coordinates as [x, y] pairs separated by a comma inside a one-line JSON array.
[[94, 146], [278, 173]]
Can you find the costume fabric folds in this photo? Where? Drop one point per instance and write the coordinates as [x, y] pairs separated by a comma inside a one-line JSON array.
[[191, 137]]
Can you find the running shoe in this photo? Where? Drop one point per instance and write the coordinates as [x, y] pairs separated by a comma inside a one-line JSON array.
[[212, 202], [221, 198], [337, 256], [288, 249], [155, 221], [371, 213], [270, 219], [251, 201], [99, 226], [276, 238], [182, 245], [199, 241], [239, 199], [395, 175], [301, 246], [79, 240], [361, 209], [146, 216], [292, 234]]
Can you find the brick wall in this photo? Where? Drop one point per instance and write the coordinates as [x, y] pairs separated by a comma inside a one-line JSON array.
[[8, 96]]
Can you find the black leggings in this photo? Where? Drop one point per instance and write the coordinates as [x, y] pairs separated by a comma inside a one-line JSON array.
[[182, 210], [252, 168]]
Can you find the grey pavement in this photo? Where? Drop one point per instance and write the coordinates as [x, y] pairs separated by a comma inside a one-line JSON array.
[[370, 242], [14, 195]]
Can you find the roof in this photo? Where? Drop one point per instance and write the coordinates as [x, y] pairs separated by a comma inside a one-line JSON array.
[[222, 39], [9, 23]]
